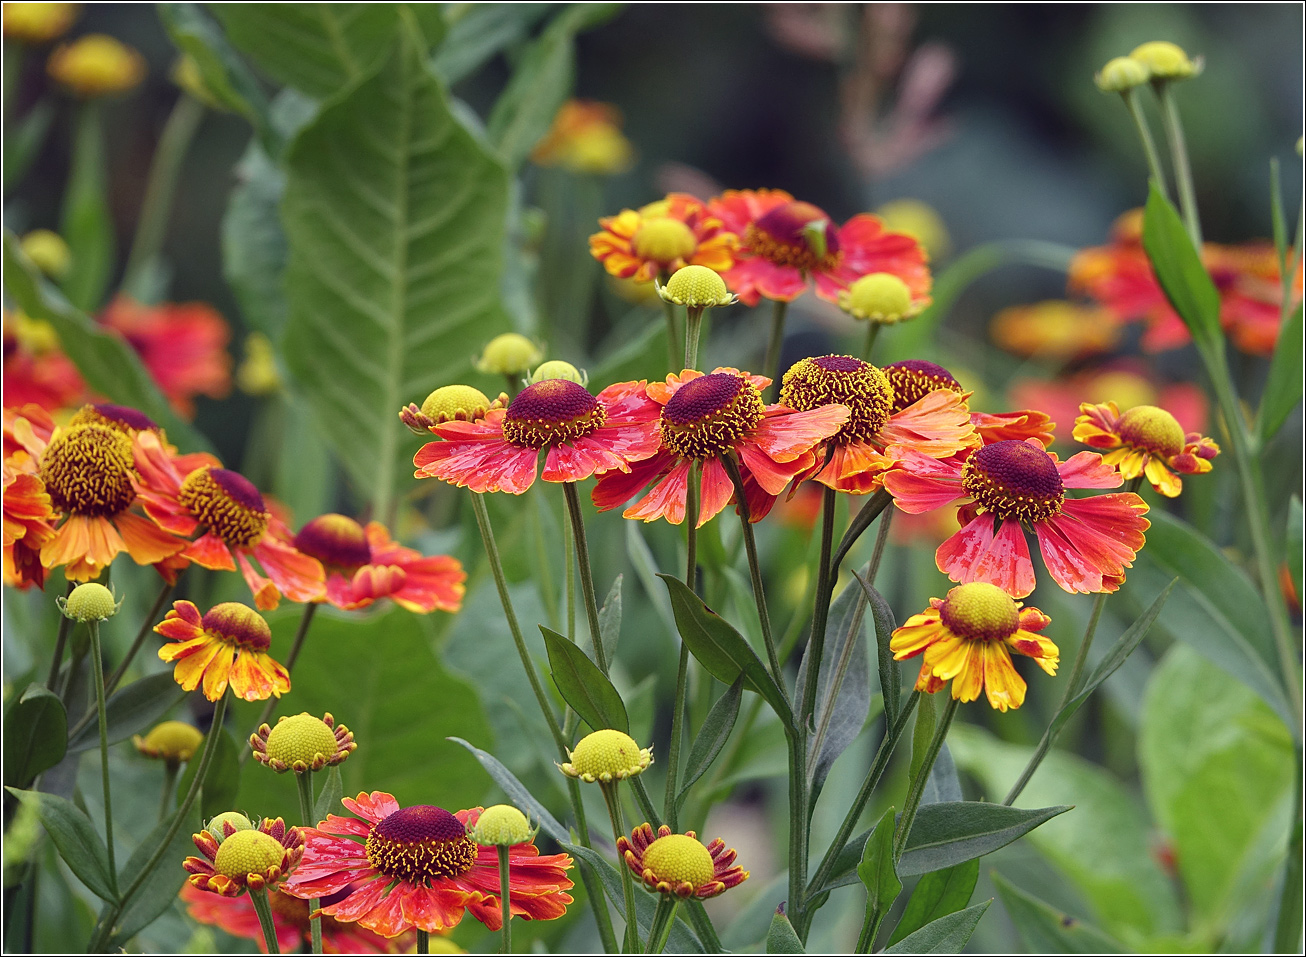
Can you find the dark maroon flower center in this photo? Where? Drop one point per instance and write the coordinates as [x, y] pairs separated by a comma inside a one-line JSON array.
[[913, 379], [1014, 479], [239, 625], [337, 541], [786, 235], [421, 844], [708, 415], [555, 410]]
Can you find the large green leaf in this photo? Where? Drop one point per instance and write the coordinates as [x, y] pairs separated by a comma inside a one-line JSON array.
[[131, 710], [1283, 388], [583, 686], [951, 832], [712, 736], [395, 218], [86, 223], [377, 674], [76, 839], [947, 935], [35, 734], [843, 688], [1217, 767], [890, 679], [1179, 270], [1044, 929], [937, 894], [878, 876], [481, 30]]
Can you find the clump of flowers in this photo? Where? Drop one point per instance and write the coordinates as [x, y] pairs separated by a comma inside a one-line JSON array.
[[662, 237]]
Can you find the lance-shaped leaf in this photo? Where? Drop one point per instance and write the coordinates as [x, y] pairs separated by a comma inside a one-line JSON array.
[[1283, 387], [947, 935], [328, 799], [1044, 929], [937, 894], [781, 938], [517, 792], [890, 682], [583, 686], [877, 873], [722, 650], [160, 889], [75, 838], [480, 31], [394, 215], [86, 223], [712, 736], [35, 734], [1179, 270], [610, 619], [131, 710]]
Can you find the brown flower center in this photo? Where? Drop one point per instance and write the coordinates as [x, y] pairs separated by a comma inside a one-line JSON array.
[[796, 234], [708, 415], [88, 471], [226, 502], [1014, 479], [555, 410], [235, 624], [420, 844], [864, 389], [337, 541]]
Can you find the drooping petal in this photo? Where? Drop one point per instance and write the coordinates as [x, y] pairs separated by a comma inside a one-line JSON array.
[[666, 499], [937, 424], [616, 488], [1003, 685], [785, 435], [975, 553], [921, 483]]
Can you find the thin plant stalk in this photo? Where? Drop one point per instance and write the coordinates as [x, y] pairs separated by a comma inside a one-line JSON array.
[[771, 365], [569, 584], [821, 610], [259, 898], [867, 514], [663, 919], [296, 646], [669, 809], [586, 573], [1154, 166], [673, 336], [872, 333], [170, 770], [613, 800], [304, 782], [1183, 172], [146, 628], [505, 944], [917, 788], [97, 669], [548, 594], [60, 641], [755, 571], [693, 327]]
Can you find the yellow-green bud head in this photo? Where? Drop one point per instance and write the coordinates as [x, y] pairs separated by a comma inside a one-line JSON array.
[[89, 601], [509, 354], [879, 297], [96, 65], [607, 756], [557, 369], [232, 819], [696, 287], [678, 859], [1166, 61], [48, 252], [38, 22], [502, 826], [455, 402], [248, 852], [299, 743], [172, 741], [1122, 73], [257, 373]]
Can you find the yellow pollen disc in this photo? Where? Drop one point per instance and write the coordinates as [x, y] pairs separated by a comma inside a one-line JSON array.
[[557, 369], [697, 286], [879, 297], [88, 471], [248, 852], [300, 739], [236, 820], [420, 844], [502, 824], [509, 354], [677, 859], [1164, 59], [664, 240], [608, 755], [227, 503], [173, 740], [90, 601], [1151, 428], [864, 389], [981, 612], [455, 402], [708, 415]]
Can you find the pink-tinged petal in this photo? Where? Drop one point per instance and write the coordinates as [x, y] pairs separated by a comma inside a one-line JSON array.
[[1032, 619], [921, 483], [1020, 426], [666, 499], [1087, 470], [340, 593], [868, 248], [975, 554], [633, 441], [211, 552], [760, 501], [937, 424], [487, 463], [266, 595], [358, 904], [616, 488], [387, 917], [753, 278], [1089, 545], [434, 909], [374, 807], [300, 577], [341, 825], [432, 582], [715, 490], [578, 460], [784, 435]]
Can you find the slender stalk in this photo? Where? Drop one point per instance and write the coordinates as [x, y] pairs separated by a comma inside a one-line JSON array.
[[613, 801], [1287, 926], [101, 936], [61, 639], [663, 919], [881, 542], [1183, 173], [296, 646], [304, 781], [799, 825], [1154, 167], [821, 610], [165, 168], [505, 945], [593, 886], [548, 594], [259, 898], [755, 571], [693, 326], [97, 669], [669, 809], [673, 337], [917, 787], [569, 584], [586, 573], [872, 333], [868, 513], [771, 364], [169, 782], [147, 627]]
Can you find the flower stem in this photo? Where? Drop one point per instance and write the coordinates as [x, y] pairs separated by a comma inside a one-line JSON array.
[[693, 326], [821, 609], [60, 641], [105, 929], [613, 801], [505, 946], [296, 646], [569, 584], [771, 365], [259, 898], [868, 513], [673, 337], [304, 781], [663, 918], [669, 809], [1130, 97], [1183, 173], [548, 594], [97, 669], [917, 787], [169, 782], [586, 573], [146, 628], [872, 333], [755, 570]]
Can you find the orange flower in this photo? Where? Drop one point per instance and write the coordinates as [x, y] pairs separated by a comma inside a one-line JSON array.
[[183, 345], [229, 644], [784, 242], [1055, 329], [585, 138], [661, 238], [415, 867], [28, 517], [184, 493], [36, 369], [1147, 441], [88, 471]]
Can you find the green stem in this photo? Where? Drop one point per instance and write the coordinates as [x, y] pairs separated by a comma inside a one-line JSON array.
[[1135, 108], [304, 781], [169, 782], [97, 669], [613, 801], [771, 364], [669, 808], [1183, 173], [673, 337], [100, 937], [296, 646], [917, 787], [146, 628], [799, 824], [693, 326], [548, 594], [505, 945], [161, 185], [821, 609], [259, 898], [1287, 927], [872, 333], [586, 573], [663, 918], [593, 886], [755, 571], [60, 641], [868, 513], [569, 584]]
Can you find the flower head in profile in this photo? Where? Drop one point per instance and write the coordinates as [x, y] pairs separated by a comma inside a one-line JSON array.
[[227, 645], [302, 743], [1145, 440], [450, 403], [705, 419], [968, 638], [605, 756], [184, 494], [34, 23], [510, 354], [579, 433], [586, 137], [1055, 329], [416, 867], [662, 237], [881, 298], [252, 858], [784, 243], [174, 742], [96, 65], [363, 565], [1009, 486], [680, 864]]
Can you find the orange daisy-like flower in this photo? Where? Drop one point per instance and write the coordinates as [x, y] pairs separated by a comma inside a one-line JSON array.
[[581, 434], [969, 636], [705, 418], [36, 369], [1087, 543], [662, 237], [1055, 329], [585, 137], [183, 345], [236, 916], [415, 867], [1145, 440], [28, 526], [363, 565], [89, 472], [783, 242], [254, 858], [229, 644], [680, 864], [185, 493], [910, 404]]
